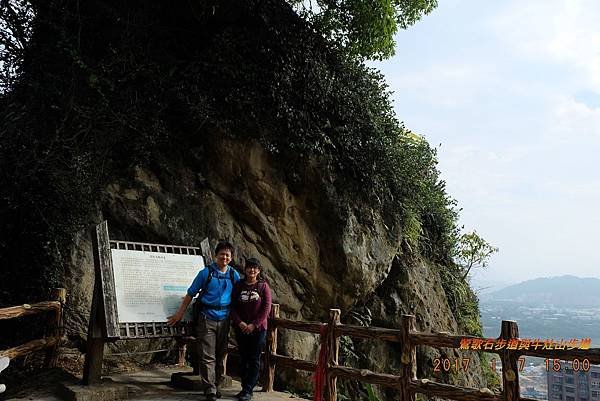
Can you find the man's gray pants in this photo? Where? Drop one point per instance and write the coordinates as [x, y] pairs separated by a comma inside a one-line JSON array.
[[213, 337]]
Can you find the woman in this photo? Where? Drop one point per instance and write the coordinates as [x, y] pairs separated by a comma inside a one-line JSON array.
[[251, 305]]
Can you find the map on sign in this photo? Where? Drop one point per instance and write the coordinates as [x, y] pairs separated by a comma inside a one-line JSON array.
[[149, 286]]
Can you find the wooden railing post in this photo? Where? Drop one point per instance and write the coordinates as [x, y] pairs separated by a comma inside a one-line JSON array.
[[56, 328], [92, 368], [510, 371], [408, 358], [206, 252], [271, 348], [333, 350], [181, 350]]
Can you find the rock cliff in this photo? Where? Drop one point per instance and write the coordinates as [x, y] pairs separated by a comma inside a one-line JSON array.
[[316, 253]]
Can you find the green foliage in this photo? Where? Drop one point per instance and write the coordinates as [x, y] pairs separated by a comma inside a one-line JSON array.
[[350, 356], [411, 229], [371, 396], [105, 85], [348, 353], [462, 300], [472, 251], [492, 379], [364, 28]]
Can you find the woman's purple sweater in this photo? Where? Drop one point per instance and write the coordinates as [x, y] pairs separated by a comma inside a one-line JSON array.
[[251, 303]]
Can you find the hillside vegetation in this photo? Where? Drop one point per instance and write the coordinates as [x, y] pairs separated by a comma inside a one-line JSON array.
[[106, 85]]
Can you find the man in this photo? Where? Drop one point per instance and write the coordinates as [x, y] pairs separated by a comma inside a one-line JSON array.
[[215, 283]]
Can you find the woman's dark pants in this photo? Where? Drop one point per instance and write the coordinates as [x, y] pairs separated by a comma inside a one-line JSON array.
[[250, 346]]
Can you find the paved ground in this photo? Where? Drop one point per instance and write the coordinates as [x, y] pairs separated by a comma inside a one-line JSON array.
[[148, 385], [154, 385]]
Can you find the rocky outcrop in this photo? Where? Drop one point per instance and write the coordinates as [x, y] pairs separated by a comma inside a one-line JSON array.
[[316, 253], [414, 287]]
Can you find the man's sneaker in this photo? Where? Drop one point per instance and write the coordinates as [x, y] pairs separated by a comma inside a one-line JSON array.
[[218, 394], [211, 397]]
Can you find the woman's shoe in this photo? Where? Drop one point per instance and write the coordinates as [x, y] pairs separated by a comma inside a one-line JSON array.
[[245, 397]]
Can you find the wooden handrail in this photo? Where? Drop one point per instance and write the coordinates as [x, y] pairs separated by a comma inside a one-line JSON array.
[[441, 340], [295, 363], [307, 327], [49, 343], [428, 387], [380, 333], [592, 354], [26, 309], [408, 338], [29, 347], [366, 376]]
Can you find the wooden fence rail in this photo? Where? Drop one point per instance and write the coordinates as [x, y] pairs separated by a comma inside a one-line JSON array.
[[55, 322], [406, 381]]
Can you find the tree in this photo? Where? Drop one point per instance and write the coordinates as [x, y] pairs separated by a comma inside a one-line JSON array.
[[472, 251], [365, 28]]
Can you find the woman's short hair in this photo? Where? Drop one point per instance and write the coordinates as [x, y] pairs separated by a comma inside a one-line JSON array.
[[256, 262], [252, 262]]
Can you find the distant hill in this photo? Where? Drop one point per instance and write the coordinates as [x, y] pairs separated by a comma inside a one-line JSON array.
[[562, 291]]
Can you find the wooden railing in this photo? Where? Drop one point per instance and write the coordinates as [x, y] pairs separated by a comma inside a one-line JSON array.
[[55, 323], [406, 381]]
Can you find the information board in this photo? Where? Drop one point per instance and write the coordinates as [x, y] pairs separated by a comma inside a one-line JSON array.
[[149, 286]]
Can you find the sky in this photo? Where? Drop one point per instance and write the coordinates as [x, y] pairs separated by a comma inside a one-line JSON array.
[[509, 93]]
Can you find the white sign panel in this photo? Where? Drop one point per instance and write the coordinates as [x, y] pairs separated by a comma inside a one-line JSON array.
[[149, 286]]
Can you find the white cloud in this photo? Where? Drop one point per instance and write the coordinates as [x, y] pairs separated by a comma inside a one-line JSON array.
[[558, 31], [449, 85], [574, 122]]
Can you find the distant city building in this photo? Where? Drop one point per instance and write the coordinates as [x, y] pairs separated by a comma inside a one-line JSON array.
[[532, 392], [569, 384]]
